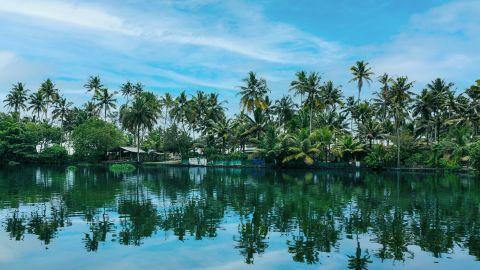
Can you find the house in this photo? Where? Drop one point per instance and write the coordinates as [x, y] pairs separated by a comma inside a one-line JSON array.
[[126, 153]]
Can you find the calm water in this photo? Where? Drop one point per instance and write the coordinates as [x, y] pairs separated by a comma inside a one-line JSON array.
[[197, 218]]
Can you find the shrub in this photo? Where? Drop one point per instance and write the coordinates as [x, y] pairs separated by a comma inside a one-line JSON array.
[[122, 167], [380, 156], [449, 163], [474, 152], [53, 154]]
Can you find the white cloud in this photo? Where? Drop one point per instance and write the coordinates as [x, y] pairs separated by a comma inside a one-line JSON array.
[[442, 42], [241, 29], [70, 13]]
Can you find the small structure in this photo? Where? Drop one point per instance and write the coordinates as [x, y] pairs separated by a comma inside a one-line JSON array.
[[197, 161], [126, 153]]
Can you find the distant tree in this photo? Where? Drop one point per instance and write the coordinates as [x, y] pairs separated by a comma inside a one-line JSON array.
[[16, 99], [105, 100], [361, 73], [253, 92]]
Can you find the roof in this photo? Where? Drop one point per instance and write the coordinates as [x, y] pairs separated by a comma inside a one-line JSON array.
[[128, 149]]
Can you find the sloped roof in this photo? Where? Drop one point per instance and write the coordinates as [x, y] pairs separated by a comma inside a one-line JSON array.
[[131, 149]]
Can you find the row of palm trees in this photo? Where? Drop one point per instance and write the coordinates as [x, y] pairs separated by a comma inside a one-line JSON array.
[[317, 123]]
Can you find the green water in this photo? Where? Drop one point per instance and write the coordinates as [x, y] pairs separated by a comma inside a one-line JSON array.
[[198, 218]]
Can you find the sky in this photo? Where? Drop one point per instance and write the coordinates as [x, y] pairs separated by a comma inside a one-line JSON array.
[[210, 45]]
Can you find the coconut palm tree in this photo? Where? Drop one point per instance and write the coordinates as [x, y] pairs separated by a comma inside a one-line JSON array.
[[348, 148], [37, 104], [284, 109], [400, 102], [127, 89], [91, 109], [16, 98], [331, 95], [138, 88], [94, 85], [441, 93], [222, 130], [361, 73], [168, 103], [50, 93], [141, 115], [371, 130], [253, 92], [105, 100], [302, 149], [61, 110], [298, 86], [311, 87], [255, 125]]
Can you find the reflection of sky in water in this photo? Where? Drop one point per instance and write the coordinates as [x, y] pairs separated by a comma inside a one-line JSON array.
[[162, 249]]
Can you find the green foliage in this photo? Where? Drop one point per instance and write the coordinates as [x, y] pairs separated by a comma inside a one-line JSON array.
[[92, 139], [19, 140], [122, 167], [53, 154], [474, 153], [380, 156]]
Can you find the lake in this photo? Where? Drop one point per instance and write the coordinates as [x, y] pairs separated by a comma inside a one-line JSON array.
[[212, 218]]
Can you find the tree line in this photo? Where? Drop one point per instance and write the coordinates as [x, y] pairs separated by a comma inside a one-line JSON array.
[[432, 126]]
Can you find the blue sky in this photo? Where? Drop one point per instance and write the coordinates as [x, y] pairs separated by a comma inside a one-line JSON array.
[[212, 44]]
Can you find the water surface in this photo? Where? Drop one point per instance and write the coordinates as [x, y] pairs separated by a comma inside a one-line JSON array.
[[198, 218]]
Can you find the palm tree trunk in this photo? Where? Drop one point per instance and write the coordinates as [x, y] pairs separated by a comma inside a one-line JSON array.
[[398, 147], [138, 144], [311, 113]]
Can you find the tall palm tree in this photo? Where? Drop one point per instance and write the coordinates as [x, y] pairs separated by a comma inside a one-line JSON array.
[[400, 101], [141, 115], [16, 98], [253, 92], [222, 130], [50, 93], [37, 104], [127, 90], [61, 110], [138, 88], [311, 87], [441, 92], [284, 109], [105, 100], [91, 109], [167, 102], [331, 95], [361, 73], [94, 84]]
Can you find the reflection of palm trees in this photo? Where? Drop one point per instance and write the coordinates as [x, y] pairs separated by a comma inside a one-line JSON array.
[[357, 261], [15, 226], [99, 230], [252, 237]]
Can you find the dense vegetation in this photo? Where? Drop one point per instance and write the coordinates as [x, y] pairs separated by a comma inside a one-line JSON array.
[[401, 125]]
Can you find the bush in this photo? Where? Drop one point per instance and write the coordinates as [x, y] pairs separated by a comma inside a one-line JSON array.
[[474, 153], [449, 163], [53, 154], [92, 139], [122, 167], [380, 156], [416, 160]]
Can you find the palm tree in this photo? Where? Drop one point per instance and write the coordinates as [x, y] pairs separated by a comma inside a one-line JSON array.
[[93, 85], [361, 72], [141, 115], [105, 100], [37, 104], [349, 148], [400, 101], [223, 130], [91, 109], [440, 91], [382, 101], [50, 93], [284, 109], [299, 85], [138, 88], [311, 87], [127, 90], [255, 125], [167, 102], [371, 130], [302, 149], [16, 98], [253, 92], [61, 110], [331, 95]]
